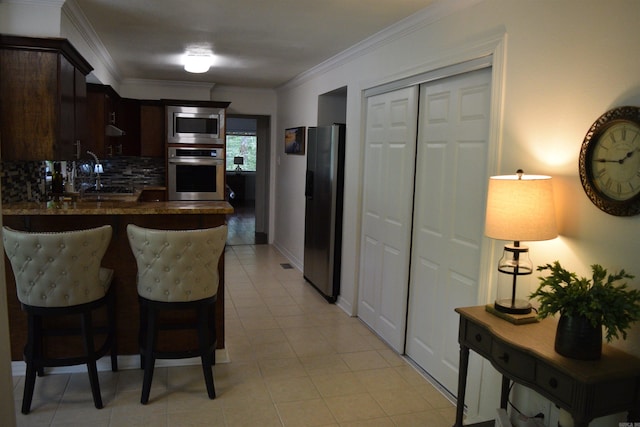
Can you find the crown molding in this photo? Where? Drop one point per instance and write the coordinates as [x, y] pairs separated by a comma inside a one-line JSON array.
[[55, 3], [177, 83], [423, 18], [80, 22]]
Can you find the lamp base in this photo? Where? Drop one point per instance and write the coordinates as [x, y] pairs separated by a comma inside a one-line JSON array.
[[516, 307]]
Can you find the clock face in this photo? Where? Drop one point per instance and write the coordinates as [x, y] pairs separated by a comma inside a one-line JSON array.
[[610, 162], [615, 161]]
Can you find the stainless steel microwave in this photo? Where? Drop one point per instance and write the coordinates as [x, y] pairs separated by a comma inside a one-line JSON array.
[[195, 125]]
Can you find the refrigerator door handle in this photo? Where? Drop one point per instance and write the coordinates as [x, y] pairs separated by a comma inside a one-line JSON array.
[[308, 189]]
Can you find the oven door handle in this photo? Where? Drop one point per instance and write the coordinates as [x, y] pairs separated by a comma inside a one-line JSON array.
[[196, 161]]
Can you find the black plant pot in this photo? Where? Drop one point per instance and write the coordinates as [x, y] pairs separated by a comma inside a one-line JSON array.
[[578, 339]]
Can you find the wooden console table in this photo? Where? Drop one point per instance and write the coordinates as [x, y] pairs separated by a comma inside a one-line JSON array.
[[525, 354]]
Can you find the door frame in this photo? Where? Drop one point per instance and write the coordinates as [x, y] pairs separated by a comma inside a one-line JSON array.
[[484, 52], [263, 150]]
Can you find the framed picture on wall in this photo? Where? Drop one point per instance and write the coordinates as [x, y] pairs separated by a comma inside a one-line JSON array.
[[294, 139]]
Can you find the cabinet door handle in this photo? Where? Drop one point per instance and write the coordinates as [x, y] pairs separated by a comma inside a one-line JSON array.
[[553, 383], [478, 337], [505, 357], [78, 150]]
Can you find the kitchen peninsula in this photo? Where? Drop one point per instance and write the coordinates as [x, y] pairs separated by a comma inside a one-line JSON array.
[[73, 215]]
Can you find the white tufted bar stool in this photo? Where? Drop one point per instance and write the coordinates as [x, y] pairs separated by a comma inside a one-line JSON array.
[[177, 270], [59, 274]]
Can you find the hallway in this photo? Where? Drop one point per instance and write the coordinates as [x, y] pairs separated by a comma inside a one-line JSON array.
[[242, 224], [294, 360]]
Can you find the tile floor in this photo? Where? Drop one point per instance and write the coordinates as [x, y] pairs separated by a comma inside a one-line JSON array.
[[294, 360], [242, 224]]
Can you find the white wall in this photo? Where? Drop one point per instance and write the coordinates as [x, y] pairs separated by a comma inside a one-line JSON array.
[[567, 62], [37, 20]]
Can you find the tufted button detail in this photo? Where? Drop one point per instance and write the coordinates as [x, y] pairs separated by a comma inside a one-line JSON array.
[[43, 296], [148, 288], [52, 286], [166, 292]]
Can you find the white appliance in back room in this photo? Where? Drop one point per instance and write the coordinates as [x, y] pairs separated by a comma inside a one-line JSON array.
[[323, 208]]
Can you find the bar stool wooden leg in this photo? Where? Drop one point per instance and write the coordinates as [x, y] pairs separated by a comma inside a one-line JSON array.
[[90, 350], [204, 339], [149, 358]]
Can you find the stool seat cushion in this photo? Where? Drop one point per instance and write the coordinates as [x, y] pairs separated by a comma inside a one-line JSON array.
[[59, 269], [177, 265]]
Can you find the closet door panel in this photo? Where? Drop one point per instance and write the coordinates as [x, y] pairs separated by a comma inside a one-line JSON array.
[[448, 227], [390, 139]]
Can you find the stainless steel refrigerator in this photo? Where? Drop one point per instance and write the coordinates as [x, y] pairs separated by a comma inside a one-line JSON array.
[[323, 208]]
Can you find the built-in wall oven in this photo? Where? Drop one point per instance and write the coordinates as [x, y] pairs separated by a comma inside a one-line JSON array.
[[196, 173]]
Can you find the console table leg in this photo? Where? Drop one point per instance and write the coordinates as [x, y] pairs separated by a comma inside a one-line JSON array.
[[462, 384], [504, 394]]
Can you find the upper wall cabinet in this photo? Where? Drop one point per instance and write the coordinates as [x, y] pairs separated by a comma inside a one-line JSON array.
[[43, 102], [152, 128], [108, 116]]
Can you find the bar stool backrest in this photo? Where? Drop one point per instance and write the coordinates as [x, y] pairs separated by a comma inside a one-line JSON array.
[[177, 265], [58, 269]]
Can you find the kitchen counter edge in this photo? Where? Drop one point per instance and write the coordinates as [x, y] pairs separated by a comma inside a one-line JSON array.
[[117, 208]]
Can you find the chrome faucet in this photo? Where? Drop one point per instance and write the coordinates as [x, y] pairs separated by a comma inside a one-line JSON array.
[[97, 169]]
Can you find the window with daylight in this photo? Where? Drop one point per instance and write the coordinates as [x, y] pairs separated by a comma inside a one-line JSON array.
[[241, 145]]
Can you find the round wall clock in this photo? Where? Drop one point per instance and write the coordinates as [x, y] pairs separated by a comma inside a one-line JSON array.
[[609, 162]]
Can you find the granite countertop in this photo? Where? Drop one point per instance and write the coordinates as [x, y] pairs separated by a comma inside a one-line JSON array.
[[116, 207]]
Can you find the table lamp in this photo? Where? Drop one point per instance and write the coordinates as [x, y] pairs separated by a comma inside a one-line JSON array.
[[519, 208], [238, 161]]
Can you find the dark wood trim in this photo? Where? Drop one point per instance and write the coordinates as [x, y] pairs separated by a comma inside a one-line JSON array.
[[186, 103], [51, 44]]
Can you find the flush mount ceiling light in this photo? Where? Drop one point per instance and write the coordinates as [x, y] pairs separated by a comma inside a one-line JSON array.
[[194, 63]]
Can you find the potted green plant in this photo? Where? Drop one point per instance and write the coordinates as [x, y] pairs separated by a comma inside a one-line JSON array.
[[585, 307]]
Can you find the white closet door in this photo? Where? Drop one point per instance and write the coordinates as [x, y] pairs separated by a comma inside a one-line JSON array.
[[448, 225], [387, 203]]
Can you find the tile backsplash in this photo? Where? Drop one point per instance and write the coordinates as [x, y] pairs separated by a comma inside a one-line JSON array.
[[27, 181]]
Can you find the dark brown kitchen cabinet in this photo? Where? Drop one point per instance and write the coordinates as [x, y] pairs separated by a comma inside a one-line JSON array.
[[101, 110], [127, 119], [43, 104], [106, 108], [152, 126]]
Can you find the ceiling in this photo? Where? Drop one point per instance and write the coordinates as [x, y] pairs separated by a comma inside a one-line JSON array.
[[256, 43]]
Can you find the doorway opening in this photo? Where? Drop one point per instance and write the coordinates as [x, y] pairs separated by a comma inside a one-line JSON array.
[[247, 177]]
